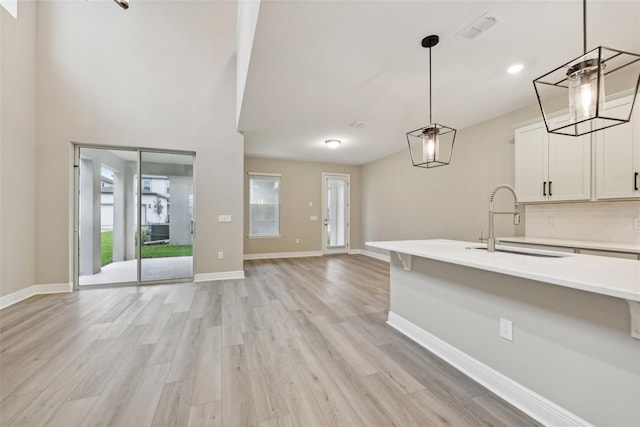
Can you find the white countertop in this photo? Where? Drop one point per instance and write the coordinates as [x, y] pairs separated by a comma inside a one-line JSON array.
[[602, 275], [581, 244]]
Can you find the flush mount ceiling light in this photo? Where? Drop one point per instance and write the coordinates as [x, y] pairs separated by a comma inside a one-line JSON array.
[[123, 3], [431, 146], [332, 143], [580, 83]]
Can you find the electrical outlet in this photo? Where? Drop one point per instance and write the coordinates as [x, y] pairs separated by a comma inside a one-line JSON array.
[[297, 240], [550, 221], [506, 329], [636, 223], [220, 255]]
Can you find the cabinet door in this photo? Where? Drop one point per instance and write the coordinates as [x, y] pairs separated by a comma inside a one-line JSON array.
[[618, 157], [531, 162], [569, 166]]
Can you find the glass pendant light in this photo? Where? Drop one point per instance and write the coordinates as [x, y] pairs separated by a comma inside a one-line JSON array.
[[586, 93], [581, 84], [431, 145]]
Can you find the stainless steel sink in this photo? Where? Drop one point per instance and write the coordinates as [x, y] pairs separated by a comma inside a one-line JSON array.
[[517, 252]]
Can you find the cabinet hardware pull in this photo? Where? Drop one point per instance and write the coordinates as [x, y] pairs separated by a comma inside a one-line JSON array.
[[635, 181], [544, 188], [550, 182]]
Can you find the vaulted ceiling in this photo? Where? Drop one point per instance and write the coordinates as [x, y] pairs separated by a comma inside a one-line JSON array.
[[355, 70]]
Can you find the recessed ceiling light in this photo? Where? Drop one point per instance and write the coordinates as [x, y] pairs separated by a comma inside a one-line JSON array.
[[332, 143], [515, 68]]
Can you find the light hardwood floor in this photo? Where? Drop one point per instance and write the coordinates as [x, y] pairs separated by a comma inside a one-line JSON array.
[[298, 342]]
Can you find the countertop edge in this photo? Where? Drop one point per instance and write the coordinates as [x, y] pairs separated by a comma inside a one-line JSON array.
[[580, 244], [394, 246]]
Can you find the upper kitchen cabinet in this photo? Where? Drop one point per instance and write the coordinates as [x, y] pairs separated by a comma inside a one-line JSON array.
[[531, 162], [551, 167], [618, 157]]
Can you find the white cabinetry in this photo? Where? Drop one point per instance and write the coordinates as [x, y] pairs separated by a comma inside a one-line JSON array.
[[618, 157], [551, 167], [531, 167]]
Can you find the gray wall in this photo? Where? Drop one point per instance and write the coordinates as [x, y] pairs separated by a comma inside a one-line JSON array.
[[301, 183], [17, 147], [400, 201], [572, 347], [159, 75]]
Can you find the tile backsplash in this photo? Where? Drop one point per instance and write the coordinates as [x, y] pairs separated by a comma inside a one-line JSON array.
[[615, 222]]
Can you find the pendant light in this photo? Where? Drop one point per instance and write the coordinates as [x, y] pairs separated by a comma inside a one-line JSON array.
[[431, 146], [579, 88]]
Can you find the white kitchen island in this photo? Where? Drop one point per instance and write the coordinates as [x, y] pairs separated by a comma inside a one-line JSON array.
[[575, 353]]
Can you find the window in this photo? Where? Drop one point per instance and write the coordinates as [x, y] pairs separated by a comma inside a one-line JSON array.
[[264, 205], [146, 185]]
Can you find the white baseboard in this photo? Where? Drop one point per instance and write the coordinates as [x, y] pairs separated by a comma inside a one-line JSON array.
[[283, 255], [22, 294], [375, 255], [355, 252], [223, 275], [53, 289], [16, 297], [529, 402]]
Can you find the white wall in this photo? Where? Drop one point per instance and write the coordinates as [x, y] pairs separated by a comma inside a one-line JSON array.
[[248, 11], [159, 75], [10, 6], [17, 148]]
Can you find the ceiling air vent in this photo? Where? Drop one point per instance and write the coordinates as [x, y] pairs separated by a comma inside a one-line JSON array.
[[481, 25], [357, 124]]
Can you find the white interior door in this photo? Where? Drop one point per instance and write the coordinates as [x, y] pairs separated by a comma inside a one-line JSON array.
[[335, 213]]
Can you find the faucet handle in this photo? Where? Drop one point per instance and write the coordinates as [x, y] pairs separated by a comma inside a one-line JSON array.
[[482, 239]]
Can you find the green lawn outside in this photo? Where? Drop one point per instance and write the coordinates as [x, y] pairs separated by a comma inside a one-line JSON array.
[[160, 251], [107, 247], [148, 251]]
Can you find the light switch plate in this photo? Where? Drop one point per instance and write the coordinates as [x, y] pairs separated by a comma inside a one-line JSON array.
[[224, 218], [314, 218]]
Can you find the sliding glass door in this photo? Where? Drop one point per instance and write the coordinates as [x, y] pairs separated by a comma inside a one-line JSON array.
[[133, 216], [106, 220], [166, 216]]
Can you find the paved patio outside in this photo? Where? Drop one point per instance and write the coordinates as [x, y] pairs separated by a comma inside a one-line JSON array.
[[152, 269]]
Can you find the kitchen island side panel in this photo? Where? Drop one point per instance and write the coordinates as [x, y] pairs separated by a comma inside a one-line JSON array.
[[569, 346]]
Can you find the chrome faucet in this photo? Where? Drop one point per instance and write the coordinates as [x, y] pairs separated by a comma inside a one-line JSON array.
[[491, 240]]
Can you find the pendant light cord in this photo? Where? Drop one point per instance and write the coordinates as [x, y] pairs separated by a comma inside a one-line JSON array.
[[584, 26], [430, 108]]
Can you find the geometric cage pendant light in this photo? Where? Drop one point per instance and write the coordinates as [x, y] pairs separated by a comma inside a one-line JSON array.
[[573, 98], [431, 146]]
